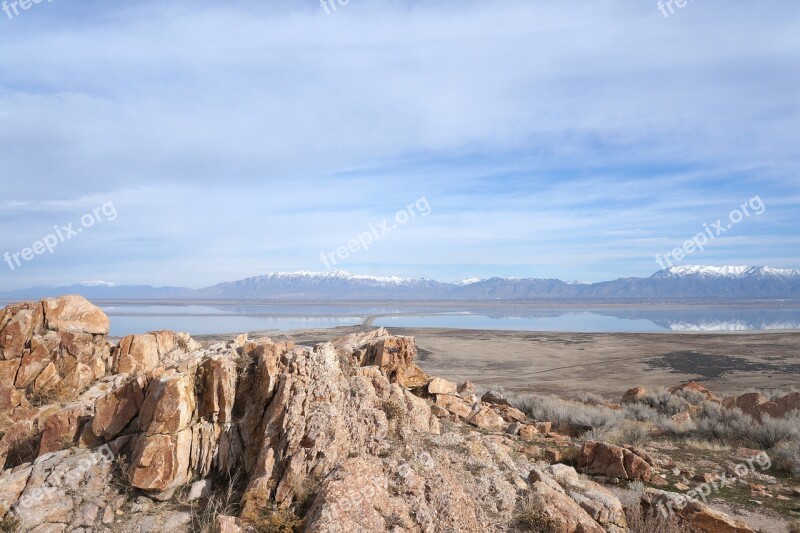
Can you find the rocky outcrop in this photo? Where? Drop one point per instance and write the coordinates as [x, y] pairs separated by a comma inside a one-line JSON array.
[[351, 431], [757, 405], [695, 388], [51, 349]]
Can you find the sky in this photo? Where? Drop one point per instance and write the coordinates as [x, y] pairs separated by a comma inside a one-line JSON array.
[[203, 142]]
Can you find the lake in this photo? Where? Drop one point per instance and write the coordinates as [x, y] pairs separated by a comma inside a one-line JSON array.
[[239, 318]]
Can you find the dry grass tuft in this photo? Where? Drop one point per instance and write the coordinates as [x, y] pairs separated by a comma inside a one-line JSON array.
[[529, 517]]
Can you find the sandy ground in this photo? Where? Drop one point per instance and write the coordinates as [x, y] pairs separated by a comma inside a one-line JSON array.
[[602, 363]]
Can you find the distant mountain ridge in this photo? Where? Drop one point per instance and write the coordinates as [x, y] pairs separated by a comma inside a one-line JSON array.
[[675, 282]]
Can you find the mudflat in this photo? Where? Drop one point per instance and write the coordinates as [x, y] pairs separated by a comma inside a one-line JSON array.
[[602, 363]]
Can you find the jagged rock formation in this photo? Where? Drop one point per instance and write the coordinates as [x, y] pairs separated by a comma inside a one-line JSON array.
[[351, 431]]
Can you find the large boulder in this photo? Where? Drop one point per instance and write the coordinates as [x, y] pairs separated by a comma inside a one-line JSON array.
[[756, 404], [74, 313], [695, 388], [602, 458]]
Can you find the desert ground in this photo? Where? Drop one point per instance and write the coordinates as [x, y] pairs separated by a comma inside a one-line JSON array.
[[602, 363]]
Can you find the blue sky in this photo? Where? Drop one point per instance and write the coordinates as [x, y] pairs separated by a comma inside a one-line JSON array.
[[550, 139]]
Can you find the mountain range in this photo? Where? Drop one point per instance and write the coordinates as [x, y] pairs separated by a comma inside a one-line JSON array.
[[684, 282]]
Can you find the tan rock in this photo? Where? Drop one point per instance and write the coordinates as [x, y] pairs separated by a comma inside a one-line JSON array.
[[487, 418], [137, 354], [565, 516], [698, 388], [552, 455], [168, 404], [613, 461], [597, 501], [510, 414], [441, 386], [17, 324], [61, 429], [115, 410], [218, 384], [227, 524], [454, 404], [161, 462], [75, 313], [43, 350], [10, 397], [8, 371], [527, 432]]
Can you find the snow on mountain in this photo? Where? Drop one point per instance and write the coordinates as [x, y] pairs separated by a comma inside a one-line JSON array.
[[693, 282], [728, 271], [97, 284], [339, 275]]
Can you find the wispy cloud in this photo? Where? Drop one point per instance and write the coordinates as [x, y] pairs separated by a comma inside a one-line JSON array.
[[556, 139]]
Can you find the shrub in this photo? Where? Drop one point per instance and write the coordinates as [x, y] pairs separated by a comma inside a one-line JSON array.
[[273, 520], [717, 423], [9, 524], [666, 403], [773, 431], [591, 398], [787, 458], [529, 517], [223, 501], [563, 413], [641, 520], [642, 412]]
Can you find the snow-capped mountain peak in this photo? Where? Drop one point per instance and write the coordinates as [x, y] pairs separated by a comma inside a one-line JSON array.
[[727, 272], [95, 283], [339, 275], [468, 281]]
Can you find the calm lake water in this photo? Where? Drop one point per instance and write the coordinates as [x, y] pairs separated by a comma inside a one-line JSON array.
[[219, 319]]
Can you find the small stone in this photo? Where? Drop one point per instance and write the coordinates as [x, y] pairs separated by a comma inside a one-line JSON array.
[[683, 487], [527, 432], [441, 386], [199, 489], [552, 455], [708, 477]]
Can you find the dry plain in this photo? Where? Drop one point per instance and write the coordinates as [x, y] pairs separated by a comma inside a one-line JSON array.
[[602, 363]]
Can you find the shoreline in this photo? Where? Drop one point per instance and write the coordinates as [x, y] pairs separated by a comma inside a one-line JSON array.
[[603, 363]]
